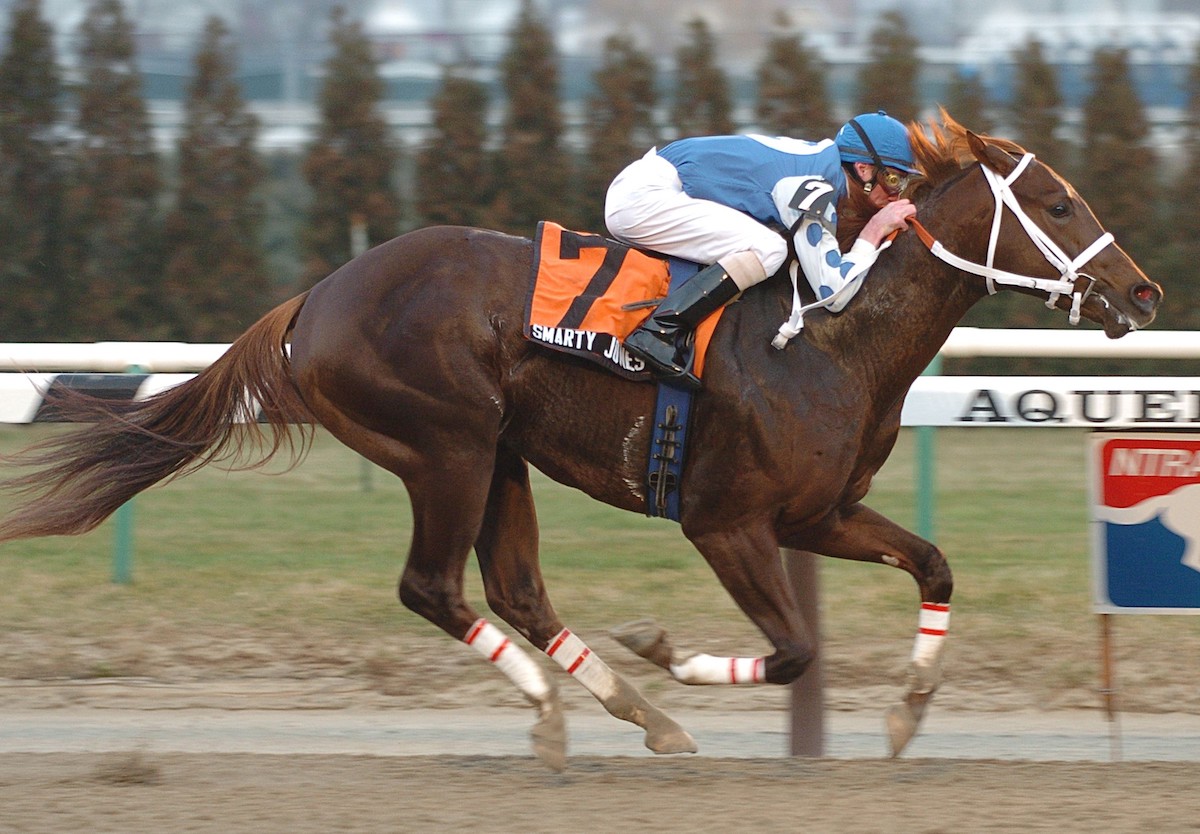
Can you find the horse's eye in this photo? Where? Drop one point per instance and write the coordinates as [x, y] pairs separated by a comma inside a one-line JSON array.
[[1060, 210]]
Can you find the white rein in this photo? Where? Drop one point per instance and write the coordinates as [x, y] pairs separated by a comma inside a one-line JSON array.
[[1069, 281]]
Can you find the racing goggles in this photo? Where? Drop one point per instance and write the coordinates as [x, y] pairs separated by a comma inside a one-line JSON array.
[[891, 180]]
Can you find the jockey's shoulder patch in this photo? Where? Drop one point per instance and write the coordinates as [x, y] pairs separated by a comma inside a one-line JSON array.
[[815, 197]]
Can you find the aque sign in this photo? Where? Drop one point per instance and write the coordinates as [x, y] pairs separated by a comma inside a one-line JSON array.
[[1145, 522]]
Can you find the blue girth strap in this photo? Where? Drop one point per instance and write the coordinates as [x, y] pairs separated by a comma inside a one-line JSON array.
[[671, 416]]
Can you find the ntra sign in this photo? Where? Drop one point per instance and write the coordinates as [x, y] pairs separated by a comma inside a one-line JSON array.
[[1146, 522]]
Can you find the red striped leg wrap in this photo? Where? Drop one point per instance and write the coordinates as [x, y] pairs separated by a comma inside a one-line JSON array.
[[705, 669], [569, 652], [490, 642], [932, 625]]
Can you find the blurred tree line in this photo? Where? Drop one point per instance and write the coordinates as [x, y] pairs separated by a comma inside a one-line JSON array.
[[101, 237]]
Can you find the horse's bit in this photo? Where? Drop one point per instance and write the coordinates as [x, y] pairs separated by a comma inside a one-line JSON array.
[[1072, 282]]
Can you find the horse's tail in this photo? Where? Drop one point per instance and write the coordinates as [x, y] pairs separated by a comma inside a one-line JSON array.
[[81, 477]]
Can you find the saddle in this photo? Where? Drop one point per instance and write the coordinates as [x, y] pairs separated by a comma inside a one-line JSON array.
[[587, 293]]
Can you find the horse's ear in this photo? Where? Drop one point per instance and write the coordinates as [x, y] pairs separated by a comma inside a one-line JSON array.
[[989, 155]]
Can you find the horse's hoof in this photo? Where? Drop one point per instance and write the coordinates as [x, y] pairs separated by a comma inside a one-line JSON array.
[[901, 727], [549, 736], [647, 639], [670, 741], [903, 719], [664, 736]]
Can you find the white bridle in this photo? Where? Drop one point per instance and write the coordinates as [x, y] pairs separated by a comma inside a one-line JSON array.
[[1070, 281]]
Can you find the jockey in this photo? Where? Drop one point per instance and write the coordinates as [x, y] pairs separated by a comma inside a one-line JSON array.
[[729, 201]]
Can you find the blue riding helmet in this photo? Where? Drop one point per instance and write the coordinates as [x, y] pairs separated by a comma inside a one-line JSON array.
[[888, 137]]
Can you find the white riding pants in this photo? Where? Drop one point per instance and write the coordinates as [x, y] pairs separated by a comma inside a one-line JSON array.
[[646, 206]]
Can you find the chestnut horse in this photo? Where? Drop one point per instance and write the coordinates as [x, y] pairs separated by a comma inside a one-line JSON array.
[[412, 355]]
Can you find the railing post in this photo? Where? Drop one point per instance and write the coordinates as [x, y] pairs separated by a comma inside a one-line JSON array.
[[359, 243], [122, 563], [808, 691], [926, 482]]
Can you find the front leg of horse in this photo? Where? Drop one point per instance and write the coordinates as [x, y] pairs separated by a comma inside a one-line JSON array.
[[649, 640], [864, 535], [925, 674], [749, 565]]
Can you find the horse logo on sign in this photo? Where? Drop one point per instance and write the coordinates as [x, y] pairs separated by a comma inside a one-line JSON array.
[[1146, 522]]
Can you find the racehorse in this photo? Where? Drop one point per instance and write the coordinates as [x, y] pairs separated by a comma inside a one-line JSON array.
[[413, 355]]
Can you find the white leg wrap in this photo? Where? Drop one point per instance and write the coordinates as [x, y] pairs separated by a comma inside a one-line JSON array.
[[573, 655], [706, 669], [490, 642], [932, 624]]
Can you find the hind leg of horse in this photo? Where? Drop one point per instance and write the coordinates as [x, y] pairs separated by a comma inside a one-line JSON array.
[[448, 489], [448, 508], [862, 534], [507, 549], [750, 567]]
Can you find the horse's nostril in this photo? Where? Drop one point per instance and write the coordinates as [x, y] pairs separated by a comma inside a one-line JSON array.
[[1146, 295]]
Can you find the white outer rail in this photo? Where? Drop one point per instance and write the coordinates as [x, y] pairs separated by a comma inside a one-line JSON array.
[[109, 357], [935, 400], [179, 357], [1147, 344]]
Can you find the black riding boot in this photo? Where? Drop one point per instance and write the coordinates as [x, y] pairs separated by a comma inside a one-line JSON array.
[[664, 341]]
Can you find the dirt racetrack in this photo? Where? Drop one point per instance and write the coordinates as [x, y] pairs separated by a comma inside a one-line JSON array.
[[115, 757], [184, 753], [127, 792]]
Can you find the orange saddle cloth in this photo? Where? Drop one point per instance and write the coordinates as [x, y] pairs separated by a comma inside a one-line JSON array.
[[580, 292]]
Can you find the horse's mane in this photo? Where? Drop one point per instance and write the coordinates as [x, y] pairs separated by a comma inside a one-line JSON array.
[[942, 151]]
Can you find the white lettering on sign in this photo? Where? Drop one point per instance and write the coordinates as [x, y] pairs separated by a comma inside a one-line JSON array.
[[1160, 463]]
